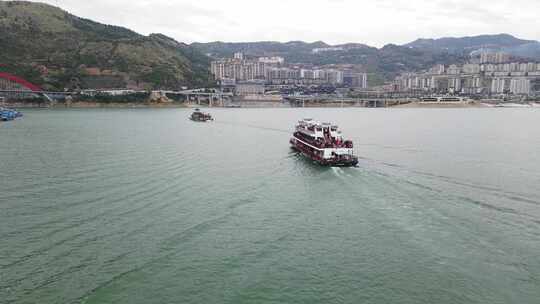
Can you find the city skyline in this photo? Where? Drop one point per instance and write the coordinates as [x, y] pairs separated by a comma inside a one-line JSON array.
[[375, 23]]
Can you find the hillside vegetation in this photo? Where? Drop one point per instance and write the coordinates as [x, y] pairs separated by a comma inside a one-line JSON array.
[[57, 50]]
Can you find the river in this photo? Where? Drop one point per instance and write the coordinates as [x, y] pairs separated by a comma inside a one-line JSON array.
[[145, 206]]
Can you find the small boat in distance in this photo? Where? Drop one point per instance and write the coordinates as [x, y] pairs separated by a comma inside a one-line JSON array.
[[323, 143], [197, 115], [9, 114]]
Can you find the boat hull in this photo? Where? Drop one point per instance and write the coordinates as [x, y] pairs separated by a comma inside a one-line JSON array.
[[351, 161], [9, 114], [201, 120]]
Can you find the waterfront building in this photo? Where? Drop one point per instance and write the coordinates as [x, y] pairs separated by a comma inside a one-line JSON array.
[[535, 84], [250, 88], [500, 85], [355, 80], [334, 77], [319, 74], [472, 78], [283, 75], [239, 70], [520, 86], [271, 70], [307, 74]]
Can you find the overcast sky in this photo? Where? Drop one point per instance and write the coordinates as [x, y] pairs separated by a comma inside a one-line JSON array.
[[373, 22]]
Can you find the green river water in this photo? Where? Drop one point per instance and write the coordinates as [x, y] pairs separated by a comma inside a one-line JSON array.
[[145, 206]]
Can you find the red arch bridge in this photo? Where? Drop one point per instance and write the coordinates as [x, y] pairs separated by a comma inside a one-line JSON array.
[[14, 87]]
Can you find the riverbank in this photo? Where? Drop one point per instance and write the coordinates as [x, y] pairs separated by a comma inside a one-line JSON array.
[[251, 104], [442, 105], [94, 105]]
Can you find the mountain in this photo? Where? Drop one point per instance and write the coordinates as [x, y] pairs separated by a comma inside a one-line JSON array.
[[385, 63], [381, 64], [465, 45], [291, 50], [57, 50], [527, 50]]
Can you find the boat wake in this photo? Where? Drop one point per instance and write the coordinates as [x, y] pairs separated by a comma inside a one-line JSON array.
[[253, 126]]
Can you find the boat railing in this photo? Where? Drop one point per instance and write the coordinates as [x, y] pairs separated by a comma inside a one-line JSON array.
[[325, 144]]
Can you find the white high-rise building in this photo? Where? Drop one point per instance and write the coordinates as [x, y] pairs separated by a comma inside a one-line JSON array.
[[490, 57], [438, 69], [319, 74], [334, 76], [307, 74], [239, 70], [520, 86], [471, 68], [359, 80], [500, 85], [453, 70], [239, 56], [272, 60]]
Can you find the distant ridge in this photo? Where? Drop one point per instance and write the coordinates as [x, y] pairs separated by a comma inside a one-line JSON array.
[[383, 64], [455, 44], [464, 44]]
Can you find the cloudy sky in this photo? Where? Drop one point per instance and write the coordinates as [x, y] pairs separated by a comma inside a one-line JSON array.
[[374, 22]]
